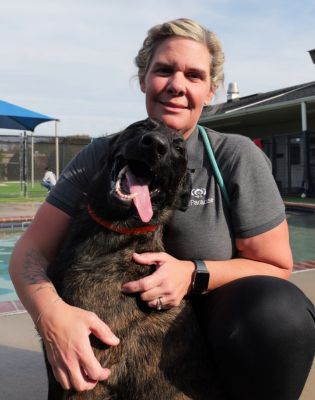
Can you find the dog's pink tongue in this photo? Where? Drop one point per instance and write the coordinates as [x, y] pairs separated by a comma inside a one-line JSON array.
[[142, 200]]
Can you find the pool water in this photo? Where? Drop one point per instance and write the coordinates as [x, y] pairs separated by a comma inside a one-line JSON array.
[[302, 235], [7, 241], [302, 239]]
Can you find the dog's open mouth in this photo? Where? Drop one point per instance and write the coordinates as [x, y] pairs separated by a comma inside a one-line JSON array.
[[133, 184]]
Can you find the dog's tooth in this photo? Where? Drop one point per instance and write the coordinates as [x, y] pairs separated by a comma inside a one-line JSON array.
[[117, 184], [122, 172], [123, 195], [119, 192]]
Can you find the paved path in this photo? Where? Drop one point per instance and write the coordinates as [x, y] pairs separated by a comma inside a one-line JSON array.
[[18, 210]]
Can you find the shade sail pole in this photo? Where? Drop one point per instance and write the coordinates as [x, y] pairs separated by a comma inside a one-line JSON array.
[[25, 164], [21, 164], [57, 150], [32, 159]]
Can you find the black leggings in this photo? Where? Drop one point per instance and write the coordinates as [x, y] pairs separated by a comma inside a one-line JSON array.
[[261, 336]]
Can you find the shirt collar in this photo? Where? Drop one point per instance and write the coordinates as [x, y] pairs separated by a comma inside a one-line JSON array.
[[195, 150]]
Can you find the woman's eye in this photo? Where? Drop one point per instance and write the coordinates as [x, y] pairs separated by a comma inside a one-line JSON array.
[[194, 76], [163, 71]]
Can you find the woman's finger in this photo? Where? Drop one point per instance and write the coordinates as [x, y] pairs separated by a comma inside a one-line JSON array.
[[79, 380], [70, 374], [78, 377], [101, 330], [70, 353], [142, 285], [151, 295], [93, 371], [62, 377], [160, 303], [149, 258]]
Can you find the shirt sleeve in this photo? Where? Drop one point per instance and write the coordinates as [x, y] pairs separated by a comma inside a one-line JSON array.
[[256, 204], [75, 178]]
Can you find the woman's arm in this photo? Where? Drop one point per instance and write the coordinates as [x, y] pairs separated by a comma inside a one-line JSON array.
[[266, 254], [32, 253], [65, 329]]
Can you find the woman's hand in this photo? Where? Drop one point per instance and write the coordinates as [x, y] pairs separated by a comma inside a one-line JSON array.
[[170, 282], [65, 331]]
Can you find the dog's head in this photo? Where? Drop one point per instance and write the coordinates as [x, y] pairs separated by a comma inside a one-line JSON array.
[[145, 173]]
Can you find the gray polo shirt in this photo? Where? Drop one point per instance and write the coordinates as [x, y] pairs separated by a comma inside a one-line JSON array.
[[208, 228]]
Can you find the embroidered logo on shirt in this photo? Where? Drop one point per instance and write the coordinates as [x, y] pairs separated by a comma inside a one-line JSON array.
[[198, 192], [199, 197]]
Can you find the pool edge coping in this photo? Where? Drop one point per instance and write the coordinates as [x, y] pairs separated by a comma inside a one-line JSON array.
[[10, 307]]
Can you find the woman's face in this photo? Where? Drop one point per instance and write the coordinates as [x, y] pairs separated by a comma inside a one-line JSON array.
[[177, 84]]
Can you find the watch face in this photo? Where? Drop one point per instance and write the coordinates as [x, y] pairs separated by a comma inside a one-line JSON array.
[[201, 282]]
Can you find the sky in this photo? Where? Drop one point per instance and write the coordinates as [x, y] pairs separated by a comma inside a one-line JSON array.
[[74, 59]]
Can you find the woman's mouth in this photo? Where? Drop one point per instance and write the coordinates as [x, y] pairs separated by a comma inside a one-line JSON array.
[[172, 105]]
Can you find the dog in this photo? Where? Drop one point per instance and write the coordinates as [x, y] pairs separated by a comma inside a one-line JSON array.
[[162, 354]]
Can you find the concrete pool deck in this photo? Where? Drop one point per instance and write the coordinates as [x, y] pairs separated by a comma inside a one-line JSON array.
[[18, 211], [22, 369]]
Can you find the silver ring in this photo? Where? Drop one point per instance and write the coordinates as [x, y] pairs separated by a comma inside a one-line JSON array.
[[159, 304]]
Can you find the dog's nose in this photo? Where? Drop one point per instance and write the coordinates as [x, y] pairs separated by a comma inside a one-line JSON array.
[[155, 143]]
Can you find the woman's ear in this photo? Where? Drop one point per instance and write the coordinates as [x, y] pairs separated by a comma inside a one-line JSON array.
[[142, 86], [209, 96]]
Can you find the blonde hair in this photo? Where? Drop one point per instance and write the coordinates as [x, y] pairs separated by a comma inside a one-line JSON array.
[[185, 28]]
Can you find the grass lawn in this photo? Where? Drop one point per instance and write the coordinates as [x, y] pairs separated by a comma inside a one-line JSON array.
[[11, 192], [307, 200]]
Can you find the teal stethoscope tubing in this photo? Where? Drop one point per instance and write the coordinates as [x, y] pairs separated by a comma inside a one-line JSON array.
[[214, 164]]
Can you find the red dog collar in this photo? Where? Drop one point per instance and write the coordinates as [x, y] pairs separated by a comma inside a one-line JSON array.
[[124, 230]]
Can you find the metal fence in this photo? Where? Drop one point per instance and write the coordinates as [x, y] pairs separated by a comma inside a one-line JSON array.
[[25, 157]]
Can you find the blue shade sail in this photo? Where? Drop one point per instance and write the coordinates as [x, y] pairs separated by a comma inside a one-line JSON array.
[[15, 117]]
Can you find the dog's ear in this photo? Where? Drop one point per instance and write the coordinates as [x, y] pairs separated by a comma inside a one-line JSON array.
[[184, 191]]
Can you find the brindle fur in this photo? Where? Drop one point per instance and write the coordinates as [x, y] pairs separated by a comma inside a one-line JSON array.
[[161, 355]]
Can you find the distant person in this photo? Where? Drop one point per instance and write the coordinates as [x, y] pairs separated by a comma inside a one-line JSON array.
[[49, 180]]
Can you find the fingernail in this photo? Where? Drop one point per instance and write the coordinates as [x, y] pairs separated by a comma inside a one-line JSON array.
[[124, 288], [106, 373], [115, 339]]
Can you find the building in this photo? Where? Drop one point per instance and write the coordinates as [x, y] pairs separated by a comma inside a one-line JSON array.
[[282, 123]]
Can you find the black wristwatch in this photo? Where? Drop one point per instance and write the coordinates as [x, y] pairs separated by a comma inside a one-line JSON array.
[[201, 278]]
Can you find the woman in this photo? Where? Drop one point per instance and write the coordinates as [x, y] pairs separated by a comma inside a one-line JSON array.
[[260, 328]]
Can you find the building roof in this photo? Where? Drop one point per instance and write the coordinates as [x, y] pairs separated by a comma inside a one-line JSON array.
[[292, 94]]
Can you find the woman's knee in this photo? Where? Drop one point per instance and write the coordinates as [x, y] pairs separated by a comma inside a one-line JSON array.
[[261, 307], [275, 307], [261, 333]]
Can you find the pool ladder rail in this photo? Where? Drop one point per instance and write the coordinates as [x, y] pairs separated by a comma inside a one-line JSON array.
[[14, 223]]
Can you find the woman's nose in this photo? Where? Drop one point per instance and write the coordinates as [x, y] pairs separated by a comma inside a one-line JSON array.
[[176, 84]]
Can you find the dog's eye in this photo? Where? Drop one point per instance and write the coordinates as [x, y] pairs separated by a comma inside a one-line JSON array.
[[178, 145], [179, 149]]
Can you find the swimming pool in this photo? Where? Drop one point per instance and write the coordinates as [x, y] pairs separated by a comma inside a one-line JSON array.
[[302, 235], [7, 241]]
